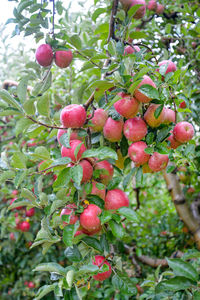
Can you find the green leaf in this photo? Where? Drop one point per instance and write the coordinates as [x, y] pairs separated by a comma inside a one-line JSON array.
[[162, 134], [73, 254], [196, 295], [42, 152], [76, 41], [44, 290], [92, 242], [117, 229], [70, 277], [133, 10], [90, 268], [29, 106], [61, 161], [10, 100], [137, 35], [76, 173], [94, 199], [65, 138], [97, 13], [129, 213], [101, 85], [25, 193], [149, 91], [101, 153], [139, 177], [19, 203], [43, 105], [126, 285], [170, 169], [133, 86], [182, 268], [19, 160], [158, 111], [63, 178], [50, 267], [177, 283], [69, 232], [22, 89], [113, 184], [106, 216], [128, 177]]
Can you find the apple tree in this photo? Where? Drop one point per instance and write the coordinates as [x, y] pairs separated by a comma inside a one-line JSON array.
[[100, 168]]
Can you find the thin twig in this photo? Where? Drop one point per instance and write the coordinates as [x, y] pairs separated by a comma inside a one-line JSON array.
[[137, 190], [53, 21], [112, 21]]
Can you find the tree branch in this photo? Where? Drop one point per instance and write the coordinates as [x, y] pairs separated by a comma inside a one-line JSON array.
[[112, 21]]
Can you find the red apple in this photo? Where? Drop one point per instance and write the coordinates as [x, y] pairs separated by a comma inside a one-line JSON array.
[[100, 261], [141, 11], [191, 190], [182, 105], [137, 154], [160, 9], [152, 5], [73, 136], [24, 226], [169, 116], [183, 132], [87, 170], [173, 142], [12, 236], [158, 162], [115, 199], [30, 212], [69, 210], [99, 119], [171, 66], [69, 152], [63, 58], [135, 129], [96, 191], [107, 173], [14, 192], [127, 106], [73, 116], [150, 117], [44, 55], [131, 49], [113, 130], [31, 285], [139, 95], [89, 219]]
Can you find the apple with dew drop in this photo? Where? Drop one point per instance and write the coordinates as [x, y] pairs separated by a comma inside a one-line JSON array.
[[112, 130], [158, 162], [171, 66], [131, 49], [183, 132], [70, 152], [73, 116], [135, 129], [99, 119], [115, 199], [100, 261], [127, 106], [89, 219], [150, 118], [69, 210], [137, 154], [44, 55], [139, 95], [107, 171], [63, 58]]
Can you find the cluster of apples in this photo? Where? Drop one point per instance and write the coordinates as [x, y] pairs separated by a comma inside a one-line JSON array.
[[45, 56], [21, 224], [152, 5]]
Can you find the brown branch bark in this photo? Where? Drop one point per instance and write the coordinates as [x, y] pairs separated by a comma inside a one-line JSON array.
[[181, 206], [112, 20], [155, 262]]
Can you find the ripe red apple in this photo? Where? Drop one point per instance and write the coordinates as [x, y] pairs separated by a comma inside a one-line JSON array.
[[139, 95], [183, 132], [12, 236], [173, 142], [158, 162], [171, 66], [100, 261], [141, 11], [182, 105], [63, 58], [131, 49], [160, 9], [87, 170], [69, 210], [135, 129], [127, 106], [115, 199], [14, 192], [137, 154], [30, 212], [31, 285], [99, 119], [89, 218], [113, 130], [169, 116], [73, 116], [96, 191], [150, 117], [24, 226], [107, 173], [69, 152], [44, 55], [152, 5]]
